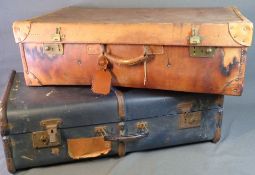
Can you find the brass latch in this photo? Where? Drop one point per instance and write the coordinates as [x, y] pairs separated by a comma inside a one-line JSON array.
[[190, 119], [100, 131], [57, 36], [201, 51], [50, 137], [142, 127], [194, 39], [53, 49]]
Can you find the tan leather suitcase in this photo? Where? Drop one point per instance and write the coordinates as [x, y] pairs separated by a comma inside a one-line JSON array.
[[183, 49]]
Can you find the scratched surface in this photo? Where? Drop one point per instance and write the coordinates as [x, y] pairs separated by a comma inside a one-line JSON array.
[[234, 154]]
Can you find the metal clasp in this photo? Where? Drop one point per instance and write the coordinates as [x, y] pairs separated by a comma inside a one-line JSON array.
[[194, 38], [142, 131], [190, 119], [201, 51], [50, 137], [57, 36], [101, 130], [53, 49]]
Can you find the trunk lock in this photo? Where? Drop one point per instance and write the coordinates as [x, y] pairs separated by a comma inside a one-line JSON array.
[[50, 137], [199, 51]]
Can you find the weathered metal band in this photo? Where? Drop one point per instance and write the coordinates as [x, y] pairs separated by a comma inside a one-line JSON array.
[[3, 105]]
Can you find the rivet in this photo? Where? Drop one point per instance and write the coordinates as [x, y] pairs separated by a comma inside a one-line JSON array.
[[47, 48], [79, 61], [208, 50]]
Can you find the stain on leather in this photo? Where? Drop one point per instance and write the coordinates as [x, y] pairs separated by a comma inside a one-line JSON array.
[[37, 52], [227, 70]]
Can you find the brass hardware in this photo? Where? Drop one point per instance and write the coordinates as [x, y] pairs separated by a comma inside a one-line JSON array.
[[57, 36], [194, 39], [122, 130], [201, 51], [241, 32], [190, 119], [142, 127], [142, 131], [53, 49], [101, 131], [50, 137]]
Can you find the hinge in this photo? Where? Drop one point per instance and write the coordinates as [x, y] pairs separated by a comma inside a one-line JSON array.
[[50, 137], [190, 119]]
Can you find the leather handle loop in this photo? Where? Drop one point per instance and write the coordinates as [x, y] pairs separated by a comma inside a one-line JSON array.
[[126, 138], [128, 61]]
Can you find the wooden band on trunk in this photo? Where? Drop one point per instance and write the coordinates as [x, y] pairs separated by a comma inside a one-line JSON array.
[[122, 114]]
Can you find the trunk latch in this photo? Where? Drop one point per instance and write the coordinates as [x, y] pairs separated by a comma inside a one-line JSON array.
[[54, 49], [50, 137], [194, 39], [199, 51]]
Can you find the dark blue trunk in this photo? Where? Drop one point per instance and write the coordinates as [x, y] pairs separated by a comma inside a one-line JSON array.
[[129, 119]]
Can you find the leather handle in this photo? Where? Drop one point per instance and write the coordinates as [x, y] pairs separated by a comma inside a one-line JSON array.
[[128, 61], [126, 138]]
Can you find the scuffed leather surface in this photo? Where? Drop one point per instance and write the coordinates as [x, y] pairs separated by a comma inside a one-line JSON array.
[[233, 155]]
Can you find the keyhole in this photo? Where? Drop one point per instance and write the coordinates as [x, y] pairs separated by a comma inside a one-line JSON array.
[[44, 140]]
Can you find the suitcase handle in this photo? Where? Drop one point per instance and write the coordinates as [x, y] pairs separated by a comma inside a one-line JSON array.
[[128, 61], [126, 138]]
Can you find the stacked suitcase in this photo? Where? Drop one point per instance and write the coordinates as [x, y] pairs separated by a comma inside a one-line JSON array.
[[157, 79]]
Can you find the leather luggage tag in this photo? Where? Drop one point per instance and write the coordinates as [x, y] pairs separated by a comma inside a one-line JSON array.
[[101, 83]]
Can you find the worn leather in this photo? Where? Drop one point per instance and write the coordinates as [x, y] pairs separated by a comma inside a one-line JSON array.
[[165, 32], [101, 82], [172, 70], [168, 26], [81, 148]]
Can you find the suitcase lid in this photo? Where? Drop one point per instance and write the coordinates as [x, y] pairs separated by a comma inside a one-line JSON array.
[[23, 108], [166, 26]]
